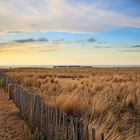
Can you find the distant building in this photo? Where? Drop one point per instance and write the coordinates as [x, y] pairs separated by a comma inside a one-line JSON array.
[[71, 66]]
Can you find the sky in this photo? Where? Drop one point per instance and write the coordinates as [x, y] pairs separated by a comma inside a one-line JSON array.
[[69, 32]]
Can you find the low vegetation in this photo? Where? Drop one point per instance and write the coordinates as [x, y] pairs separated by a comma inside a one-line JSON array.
[[107, 98]]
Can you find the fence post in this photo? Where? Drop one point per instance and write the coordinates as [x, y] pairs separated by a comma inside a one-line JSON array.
[[102, 136], [10, 91], [93, 134], [87, 133], [1, 70]]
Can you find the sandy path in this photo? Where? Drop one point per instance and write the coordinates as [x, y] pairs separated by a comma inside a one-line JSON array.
[[12, 127]]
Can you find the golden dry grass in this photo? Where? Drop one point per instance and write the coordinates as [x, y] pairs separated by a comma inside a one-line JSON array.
[[107, 98]]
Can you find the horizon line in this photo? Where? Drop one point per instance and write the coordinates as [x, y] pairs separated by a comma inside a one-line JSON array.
[[67, 65]]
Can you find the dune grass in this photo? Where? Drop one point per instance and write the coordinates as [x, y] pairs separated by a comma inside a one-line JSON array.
[[107, 98]]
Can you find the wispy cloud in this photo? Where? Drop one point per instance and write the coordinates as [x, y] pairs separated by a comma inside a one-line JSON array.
[[65, 41], [88, 40], [135, 46], [91, 39], [15, 32], [3, 44], [60, 15], [102, 47], [130, 51], [28, 48], [25, 40], [37, 41], [103, 42], [42, 40], [30, 40]]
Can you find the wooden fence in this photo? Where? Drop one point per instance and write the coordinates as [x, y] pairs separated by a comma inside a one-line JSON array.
[[52, 124]]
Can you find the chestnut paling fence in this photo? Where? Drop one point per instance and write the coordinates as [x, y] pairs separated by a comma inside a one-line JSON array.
[[51, 123]]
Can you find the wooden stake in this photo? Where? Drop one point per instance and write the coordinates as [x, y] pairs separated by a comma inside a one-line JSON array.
[[93, 134], [102, 136], [10, 91]]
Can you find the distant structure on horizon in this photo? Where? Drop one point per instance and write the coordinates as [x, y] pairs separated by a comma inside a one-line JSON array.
[[72, 66]]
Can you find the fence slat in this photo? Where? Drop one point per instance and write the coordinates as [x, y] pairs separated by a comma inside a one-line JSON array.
[[81, 132], [56, 124], [76, 129], [67, 126], [93, 134], [102, 136], [87, 133], [63, 125], [71, 128], [48, 122], [53, 124]]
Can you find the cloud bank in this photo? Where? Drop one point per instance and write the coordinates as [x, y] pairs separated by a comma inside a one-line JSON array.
[[135, 46], [60, 15], [91, 40], [30, 40]]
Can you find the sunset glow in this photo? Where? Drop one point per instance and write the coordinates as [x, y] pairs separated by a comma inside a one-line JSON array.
[[86, 32]]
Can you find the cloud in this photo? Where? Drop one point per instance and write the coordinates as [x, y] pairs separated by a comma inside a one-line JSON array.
[[102, 47], [15, 32], [61, 15], [3, 44], [28, 48], [30, 40], [25, 40], [88, 40], [91, 39], [135, 46], [130, 51], [62, 41], [42, 40], [103, 42]]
